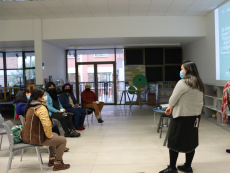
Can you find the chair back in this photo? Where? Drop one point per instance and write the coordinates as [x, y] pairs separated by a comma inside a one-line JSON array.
[[8, 125], [21, 119]]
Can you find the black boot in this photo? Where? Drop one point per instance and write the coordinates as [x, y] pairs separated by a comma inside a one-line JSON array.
[[67, 134], [168, 170], [100, 120], [73, 133], [184, 169], [228, 150]]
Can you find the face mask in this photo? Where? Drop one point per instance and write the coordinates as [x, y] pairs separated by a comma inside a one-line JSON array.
[[181, 74], [28, 97], [87, 89], [45, 98], [68, 90]]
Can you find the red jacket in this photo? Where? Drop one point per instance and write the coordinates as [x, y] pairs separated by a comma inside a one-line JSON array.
[[88, 97]]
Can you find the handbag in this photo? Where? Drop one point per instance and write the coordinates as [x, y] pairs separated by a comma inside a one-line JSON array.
[[17, 131]]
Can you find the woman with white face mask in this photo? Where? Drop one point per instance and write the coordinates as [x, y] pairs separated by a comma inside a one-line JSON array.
[[37, 129], [185, 104]]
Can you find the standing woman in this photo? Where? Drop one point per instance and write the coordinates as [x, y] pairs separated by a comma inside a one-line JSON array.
[[185, 104]]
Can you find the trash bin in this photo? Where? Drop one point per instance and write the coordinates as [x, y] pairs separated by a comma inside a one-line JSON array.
[[151, 99]]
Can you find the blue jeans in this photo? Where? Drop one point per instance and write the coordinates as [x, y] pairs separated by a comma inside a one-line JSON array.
[[78, 120]]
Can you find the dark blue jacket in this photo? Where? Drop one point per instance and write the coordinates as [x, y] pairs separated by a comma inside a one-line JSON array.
[[64, 99], [20, 108]]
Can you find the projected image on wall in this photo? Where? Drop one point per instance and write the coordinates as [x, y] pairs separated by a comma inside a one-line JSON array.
[[222, 34]]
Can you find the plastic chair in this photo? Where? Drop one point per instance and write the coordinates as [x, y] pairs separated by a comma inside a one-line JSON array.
[[88, 112], [2, 130], [20, 146], [21, 119]]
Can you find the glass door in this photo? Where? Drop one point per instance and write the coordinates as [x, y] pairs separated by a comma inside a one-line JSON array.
[[85, 75], [105, 83], [101, 76]]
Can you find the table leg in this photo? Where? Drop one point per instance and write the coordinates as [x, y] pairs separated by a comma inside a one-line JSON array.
[[138, 95], [131, 101], [121, 97]]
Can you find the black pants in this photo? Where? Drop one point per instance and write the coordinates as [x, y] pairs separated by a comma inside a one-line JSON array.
[[174, 155], [66, 121]]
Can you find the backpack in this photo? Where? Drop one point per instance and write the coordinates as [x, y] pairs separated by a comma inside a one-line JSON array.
[[17, 131]]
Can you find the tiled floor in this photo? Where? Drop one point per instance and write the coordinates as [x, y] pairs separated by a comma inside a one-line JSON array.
[[127, 143]]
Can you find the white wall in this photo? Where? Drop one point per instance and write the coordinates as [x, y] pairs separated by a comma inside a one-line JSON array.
[[151, 26], [16, 30], [202, 52], [54, 61]]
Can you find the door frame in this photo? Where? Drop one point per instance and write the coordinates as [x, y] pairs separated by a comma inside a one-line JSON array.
[[95, 78]]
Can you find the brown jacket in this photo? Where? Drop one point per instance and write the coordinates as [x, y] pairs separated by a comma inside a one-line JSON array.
[[37, 126]]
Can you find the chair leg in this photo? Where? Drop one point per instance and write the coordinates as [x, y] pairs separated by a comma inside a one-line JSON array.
[[87, 119], [39, 158], [9, 162], [22, 154], [158, 128], [1, 142], [162, 121], [40, 155]]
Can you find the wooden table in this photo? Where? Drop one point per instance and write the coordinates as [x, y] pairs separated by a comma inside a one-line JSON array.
[[10, 88]]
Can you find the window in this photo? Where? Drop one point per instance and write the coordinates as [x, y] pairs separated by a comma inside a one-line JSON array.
[[15, 67], [100, 55]]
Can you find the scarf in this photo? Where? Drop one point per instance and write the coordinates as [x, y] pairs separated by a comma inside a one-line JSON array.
[[224, 107], [53, 93]]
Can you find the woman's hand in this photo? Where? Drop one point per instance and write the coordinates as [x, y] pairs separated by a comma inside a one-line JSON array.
[[51, 136], [73, 106], [77, 106], [168, 111]]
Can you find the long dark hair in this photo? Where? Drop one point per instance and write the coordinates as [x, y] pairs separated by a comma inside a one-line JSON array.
[[36, 93], [21, 97], [49, 84], [192, 77]]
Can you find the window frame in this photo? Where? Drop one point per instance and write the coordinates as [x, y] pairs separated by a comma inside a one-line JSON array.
[[24, 68]]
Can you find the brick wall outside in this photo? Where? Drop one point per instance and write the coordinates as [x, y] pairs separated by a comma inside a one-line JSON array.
[[12, 63]]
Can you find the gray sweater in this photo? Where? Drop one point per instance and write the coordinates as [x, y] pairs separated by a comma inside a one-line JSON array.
[[185, 100]]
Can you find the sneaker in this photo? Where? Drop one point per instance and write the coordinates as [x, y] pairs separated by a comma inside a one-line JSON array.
[[74, 134], [168, 170], [184, 169], [82, 127], [100, 120], [67, 134], [60, 166], [228, 150]]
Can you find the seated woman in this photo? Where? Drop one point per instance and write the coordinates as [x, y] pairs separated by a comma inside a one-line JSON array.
[[21, 100], [90, 100], [69, 102], [54, 106], [37, 129]]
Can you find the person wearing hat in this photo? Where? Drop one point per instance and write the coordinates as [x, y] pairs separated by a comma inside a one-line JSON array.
[[70, 104], [90, 100]]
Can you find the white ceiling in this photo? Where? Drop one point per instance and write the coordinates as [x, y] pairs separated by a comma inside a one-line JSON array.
[[11, 10]]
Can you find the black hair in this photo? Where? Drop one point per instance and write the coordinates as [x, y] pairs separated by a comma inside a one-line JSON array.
[[185, 61], [49, 84], [21, 97], [192, 77], [36, 93]]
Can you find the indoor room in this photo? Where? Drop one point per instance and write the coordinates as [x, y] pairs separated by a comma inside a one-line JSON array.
[[114, 86]]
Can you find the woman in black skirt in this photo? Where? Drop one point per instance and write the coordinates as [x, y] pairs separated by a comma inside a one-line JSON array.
[[185, 104]]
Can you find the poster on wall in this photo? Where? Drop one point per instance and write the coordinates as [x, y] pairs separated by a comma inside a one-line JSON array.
[[133, 70]]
